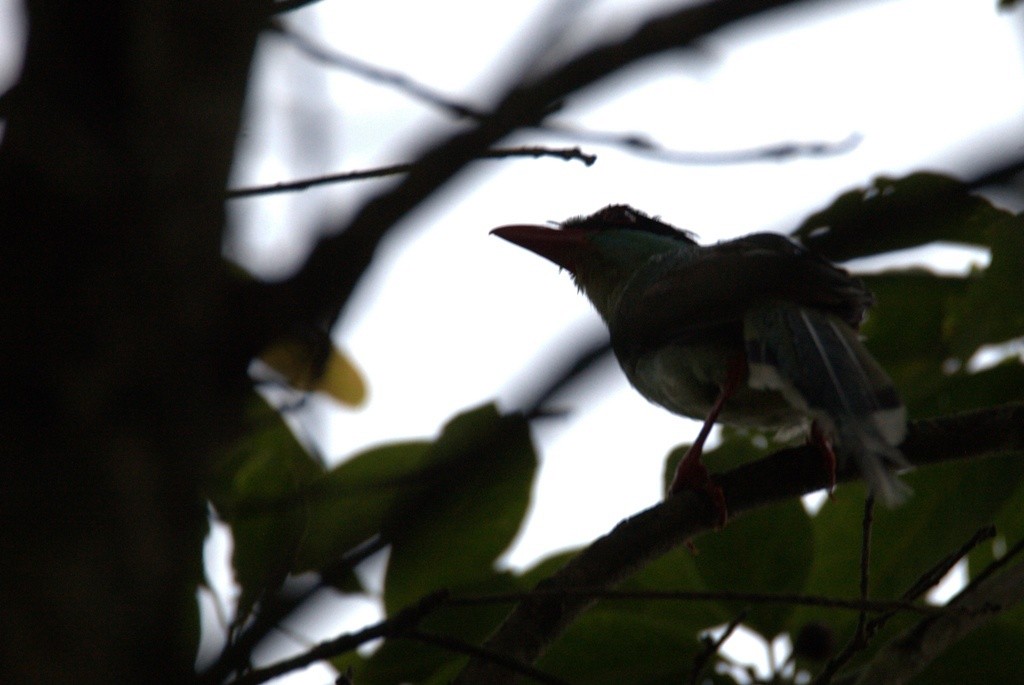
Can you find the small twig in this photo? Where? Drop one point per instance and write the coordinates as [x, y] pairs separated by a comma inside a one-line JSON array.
[[995, 565], [860, 637], [937, 572], [865, 563], [399, 624], [371, 72], [463, 647], [711, 648], [567, 154], [926, 581], [643, 145], [910, 652], [932, 576], [273, 611], [698, 596]]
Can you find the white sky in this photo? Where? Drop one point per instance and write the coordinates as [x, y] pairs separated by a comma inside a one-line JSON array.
[[450, 317]]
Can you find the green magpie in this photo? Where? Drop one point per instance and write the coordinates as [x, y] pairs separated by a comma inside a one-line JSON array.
[[757, 332]]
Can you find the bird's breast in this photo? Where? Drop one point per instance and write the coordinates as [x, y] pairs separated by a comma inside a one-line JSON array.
[[686, 380]]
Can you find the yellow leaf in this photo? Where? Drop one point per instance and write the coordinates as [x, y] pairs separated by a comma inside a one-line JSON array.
[[342, 380], [336, 377]]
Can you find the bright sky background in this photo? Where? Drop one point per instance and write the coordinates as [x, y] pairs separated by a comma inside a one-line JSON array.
[[450, 317]]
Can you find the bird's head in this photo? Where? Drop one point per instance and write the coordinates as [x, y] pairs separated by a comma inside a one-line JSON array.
[[604, 250]]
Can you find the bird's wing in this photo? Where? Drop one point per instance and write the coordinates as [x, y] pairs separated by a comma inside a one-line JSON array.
[[687, 297], [820, 365]]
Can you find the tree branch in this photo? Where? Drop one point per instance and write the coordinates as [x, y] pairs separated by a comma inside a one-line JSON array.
[[637, 541], [788, 599], [535, 151]]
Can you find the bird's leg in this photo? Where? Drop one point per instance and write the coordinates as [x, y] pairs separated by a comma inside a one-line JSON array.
[[691, 472], [820, 440]]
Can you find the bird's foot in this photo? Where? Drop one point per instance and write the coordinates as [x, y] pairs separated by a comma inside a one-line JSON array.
[[691, 474], [820, 440]]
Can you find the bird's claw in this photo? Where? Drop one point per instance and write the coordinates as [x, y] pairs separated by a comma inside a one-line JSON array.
[[691, 474]]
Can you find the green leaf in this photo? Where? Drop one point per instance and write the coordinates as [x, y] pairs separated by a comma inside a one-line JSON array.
[[910, 331], [256, 486], [610, 646], [963, 391], [473, 492], [675, 571], [907, 323], [768, 551], [354, 501], [894, 214], [990, 311]]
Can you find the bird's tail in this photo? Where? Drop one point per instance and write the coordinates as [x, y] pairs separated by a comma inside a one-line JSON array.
[[819, 364], [876, 459]]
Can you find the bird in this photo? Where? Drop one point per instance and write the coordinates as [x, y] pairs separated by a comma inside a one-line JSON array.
[[756, 332]]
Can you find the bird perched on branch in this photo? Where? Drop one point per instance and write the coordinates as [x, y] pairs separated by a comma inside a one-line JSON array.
[[756, 331]]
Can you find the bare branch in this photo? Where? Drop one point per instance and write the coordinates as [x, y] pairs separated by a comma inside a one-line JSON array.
[[711, 648], [699, 596], [371, 72], [861, 635], [462, 647], [642, 145], [567, 154], [398, 624]]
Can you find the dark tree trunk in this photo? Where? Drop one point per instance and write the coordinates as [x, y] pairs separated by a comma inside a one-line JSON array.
[[119, 366]]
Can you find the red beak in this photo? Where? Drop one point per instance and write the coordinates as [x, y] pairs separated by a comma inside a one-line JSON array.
[[562, 247]]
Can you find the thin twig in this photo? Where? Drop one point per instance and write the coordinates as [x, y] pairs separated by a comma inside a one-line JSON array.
[[711, 647], [932, 576], [995, 565], [926, 581], [463, 647], [937, 572], [567, 154], [698, 596], [274, 609], [399, 624], [371, 72], [910, 652], [860, 637], [865, 564], [643, 145]]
